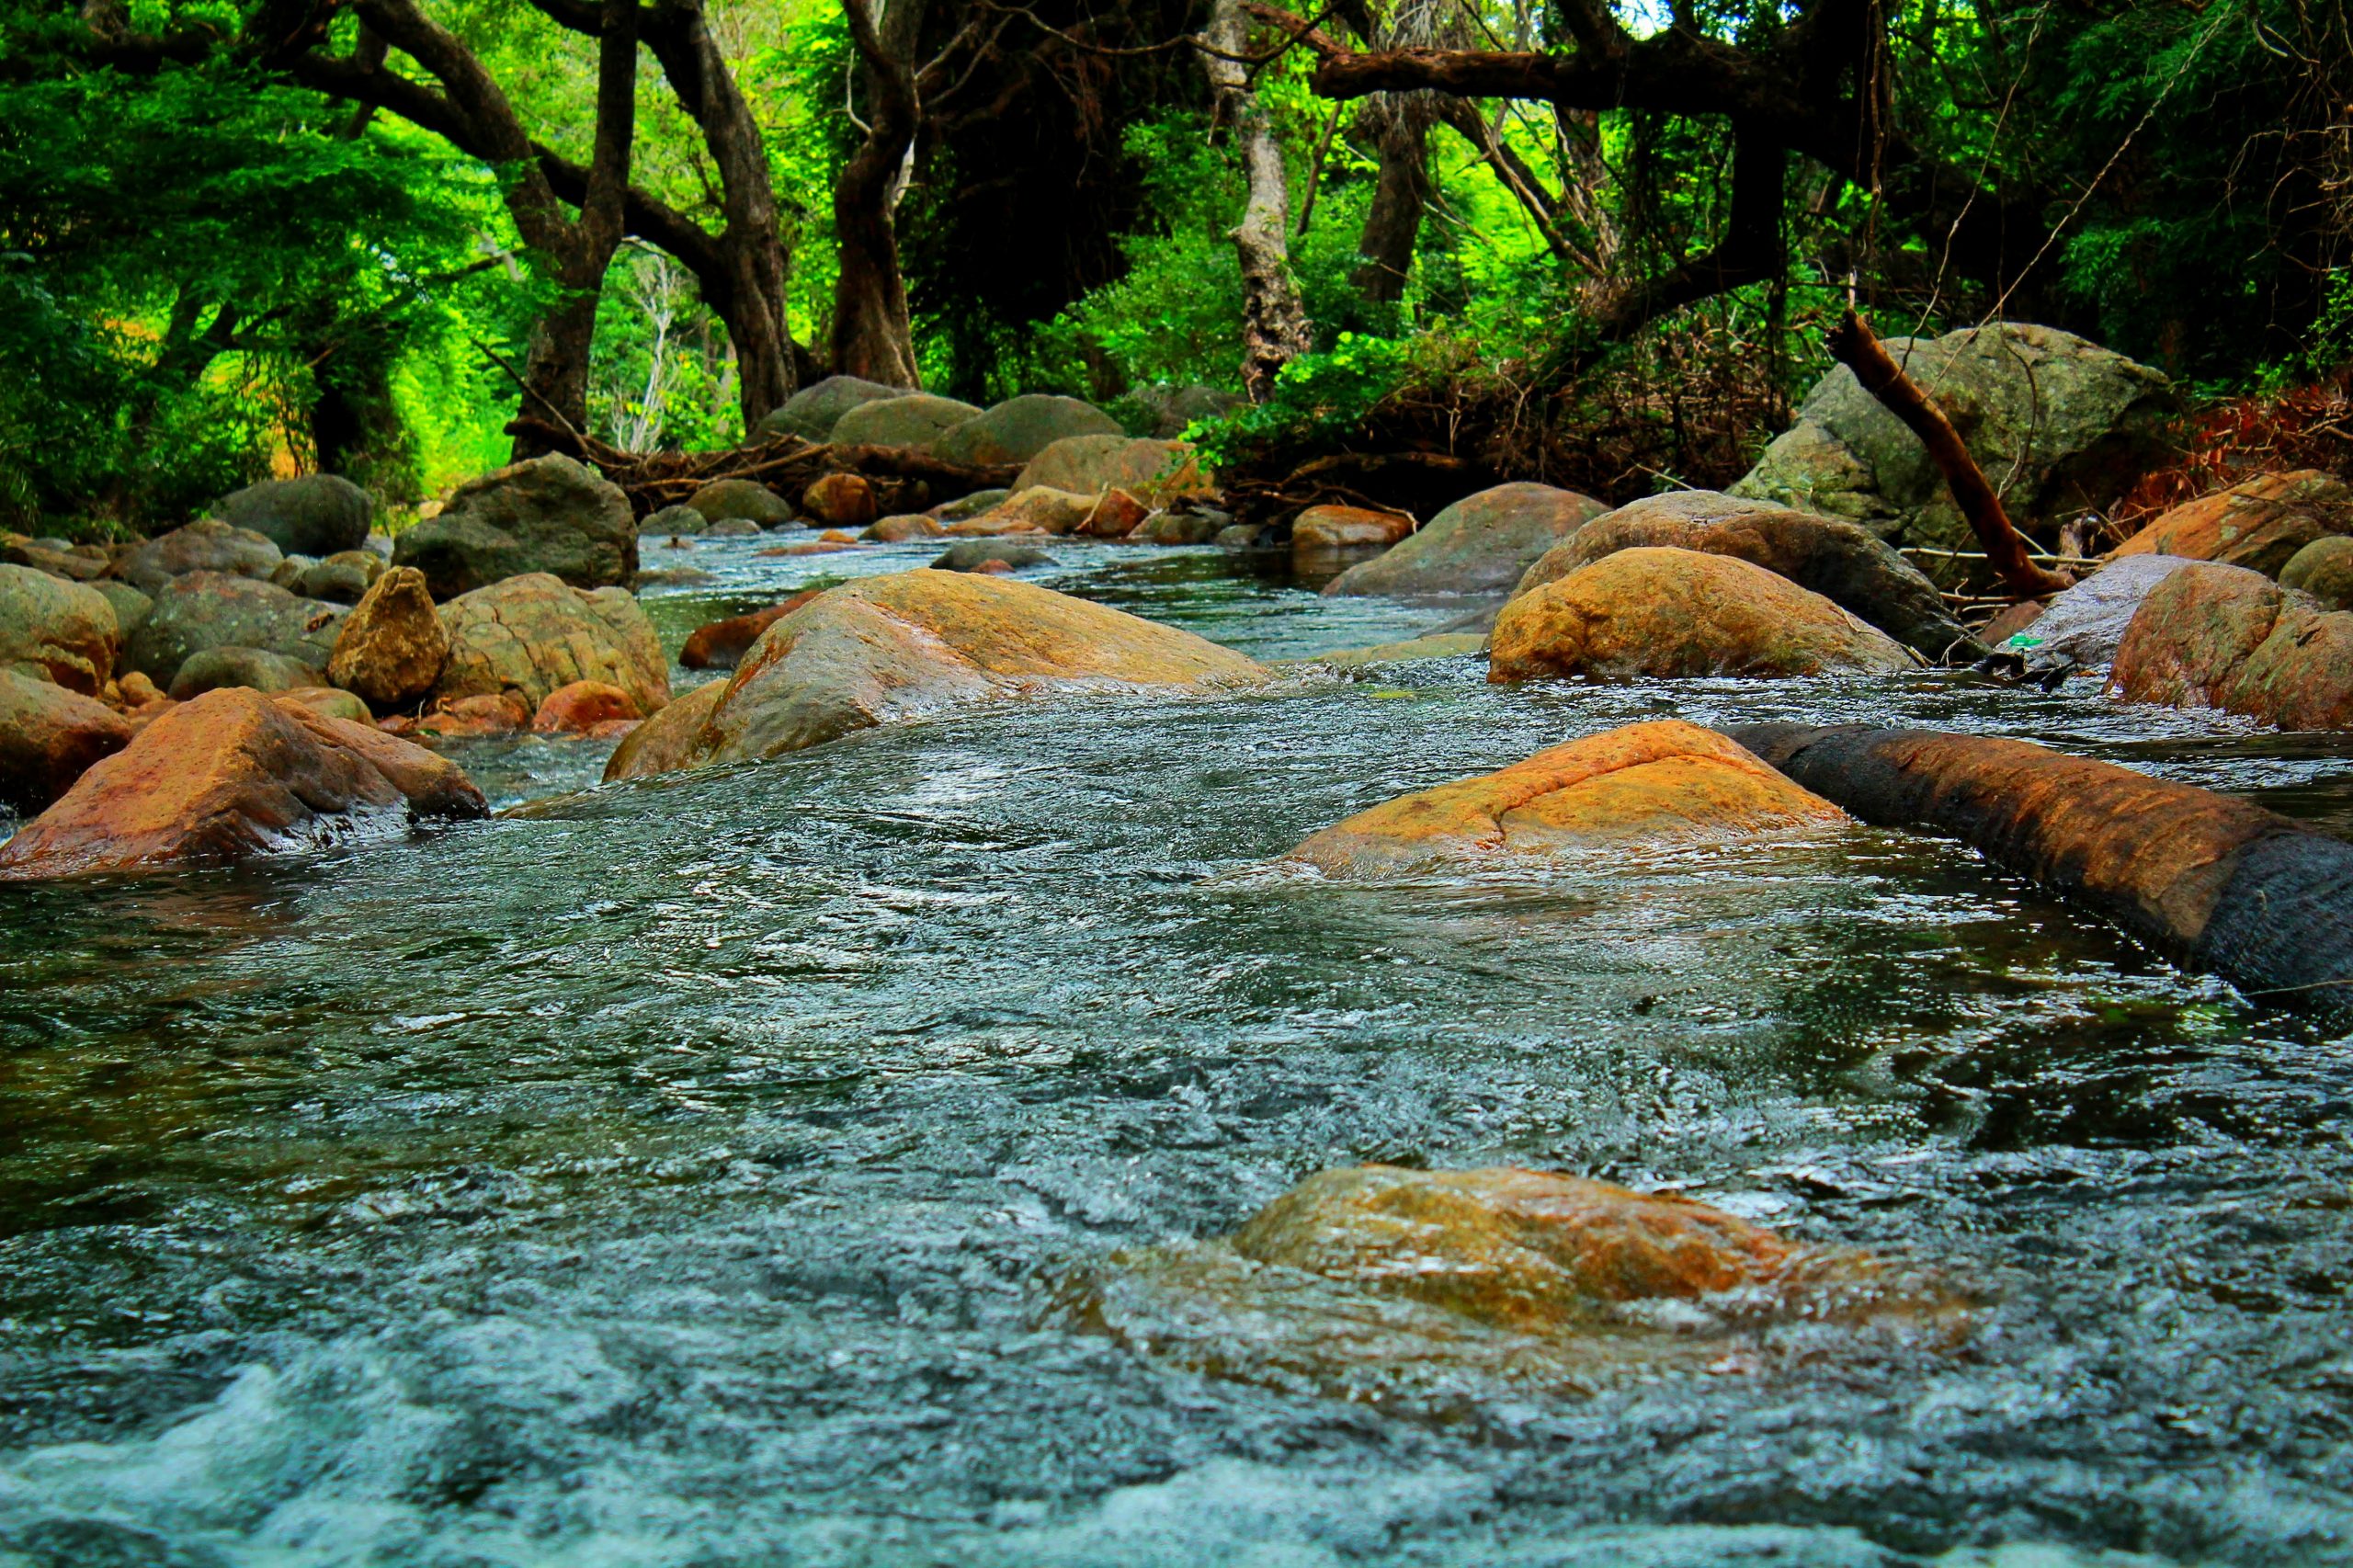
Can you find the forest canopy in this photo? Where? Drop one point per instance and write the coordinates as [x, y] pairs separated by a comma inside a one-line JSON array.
[[365, 235]]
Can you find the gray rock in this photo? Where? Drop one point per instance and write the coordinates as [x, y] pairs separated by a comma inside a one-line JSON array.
[[316, 515], [2083, 627], [812, 412], [732, 528], [549, 515], [974, 554], [130, 606], [728, 500], [1020, 428], [912, 419], [213, 668], [342, 577], [290, 569], [2061, 425], [1481, 545], [977, 503], [2323, 569], [55, 631], [215, 609], [207, 545]]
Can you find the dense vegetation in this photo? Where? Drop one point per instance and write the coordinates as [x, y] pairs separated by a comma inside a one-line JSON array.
[[364, 234]]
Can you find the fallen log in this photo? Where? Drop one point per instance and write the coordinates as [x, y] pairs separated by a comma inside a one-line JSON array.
[[2215, 882], [1854, 344], [904, 479]]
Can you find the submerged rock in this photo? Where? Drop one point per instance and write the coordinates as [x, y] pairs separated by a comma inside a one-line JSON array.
[[887, 649], [1481, 544], [1376, 1282], [2214, 636], [718, 644], [550, 515], [2062, 425], [234, 774], [2259, 524], [207, 545], [214, 609], [989, 556], [1020, 428], [1650, 611], [49, 737], [1646, 783], [316, 515], [525, 636], [55, 631], [1437, 645], [2210, 881], [1843, 561], [391, 647]]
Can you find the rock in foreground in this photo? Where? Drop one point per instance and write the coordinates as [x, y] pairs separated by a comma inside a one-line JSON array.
[[1651, 611], [1376, 1282], [233, 774], [2214, 881], [1645, 783], [1479, 545], [1843, 563], [913, 643]]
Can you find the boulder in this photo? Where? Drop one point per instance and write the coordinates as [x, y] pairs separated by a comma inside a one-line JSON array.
[[2210, 881], [580, 708], [1246, 536], [812, 412], [528, 635], [740, 498], [1167, 411], [2259, 523], [910, 419], [903, 528], [840, 500], [989, 556], [341, 578], [1843, 561], [391, 649], [719, 644], [291, 568], [1650, 611], [234, 774], [731, 528], [1179, 527], [207, 545], [132, 607], [210, 669], [1020, 428], [1110, 515], [1156, 473], [2323, 569], [213, 610], [2081, 628], [971, 505], [2062, 425], [317, 515], [550, 515], [886, 649], [2215, 636], [49, 737], [1321, 534], [44, 555], [1657, 782], [672, 522], [1481, 544], [666, 743], [1374, 1282], [55, 631], [483, 715], [329, 702]]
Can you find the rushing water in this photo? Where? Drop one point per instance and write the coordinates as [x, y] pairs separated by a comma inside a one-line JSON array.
[[680, 1173]]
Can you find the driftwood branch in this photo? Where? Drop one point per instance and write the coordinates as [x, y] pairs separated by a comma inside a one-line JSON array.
[[786, 464], [1854, 344]]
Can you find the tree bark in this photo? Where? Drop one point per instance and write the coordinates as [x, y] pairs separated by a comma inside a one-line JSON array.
[[872, 335], [1393, 220], [1854, 344], [1274, 320]]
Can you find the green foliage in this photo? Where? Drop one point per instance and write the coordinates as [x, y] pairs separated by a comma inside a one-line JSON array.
[[1317, 398]]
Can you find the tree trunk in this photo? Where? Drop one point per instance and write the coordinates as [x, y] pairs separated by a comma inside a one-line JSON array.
[[1274, 321], [1393, 220], [872, 335]]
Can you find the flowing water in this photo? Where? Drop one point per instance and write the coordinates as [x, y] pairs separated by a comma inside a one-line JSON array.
[[682, 1173]]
